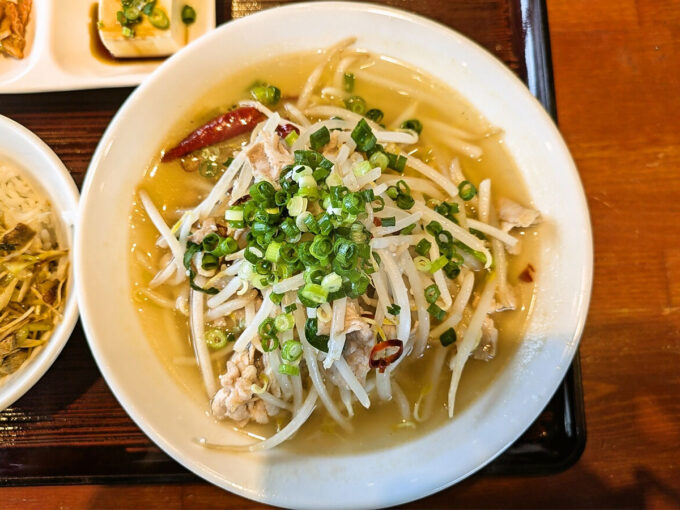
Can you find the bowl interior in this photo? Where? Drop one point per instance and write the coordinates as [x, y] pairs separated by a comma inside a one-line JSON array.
[[24, 150], [484, 429]]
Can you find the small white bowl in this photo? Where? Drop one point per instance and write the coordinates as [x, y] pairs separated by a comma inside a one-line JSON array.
[[171, 418], [21, 148]]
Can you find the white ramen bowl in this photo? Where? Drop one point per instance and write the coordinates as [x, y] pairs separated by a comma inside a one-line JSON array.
[[403, 472], [35, 160]]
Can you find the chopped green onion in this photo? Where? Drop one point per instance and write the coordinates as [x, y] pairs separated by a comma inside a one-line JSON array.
[[379, 159], [333, 180], [356, 104], [319, 138], [291, 350], [297, 205], [408, 229], [286, 369], [348, 82], [215, 338], [438, 264], [332, 282], [291, 138], [405, 201], [265, 93], [390, 221], [321, 247], [452, 270], [375, 115], [413, 125], [273, 252], [131, 13], [423, 247], [276, 298], [188, 15], [209, 262], [252, 254], [448, 337], [269, 343], [284, 322], [317, 341], [436, 312], [262, 192], [363, 136], [234, 214], [467, 190], [290, 308], [314, 293], [157, 18], [362, 168], [432, 293], [434, 227], [397, 163], [267, 328], [394, 309], [422, 264]]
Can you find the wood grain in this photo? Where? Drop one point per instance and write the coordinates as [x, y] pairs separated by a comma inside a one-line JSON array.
[[617, 73]]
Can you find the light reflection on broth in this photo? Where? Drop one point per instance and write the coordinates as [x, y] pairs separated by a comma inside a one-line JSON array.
[[176, 190]]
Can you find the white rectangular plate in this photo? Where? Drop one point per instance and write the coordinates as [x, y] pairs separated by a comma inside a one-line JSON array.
[[58, 53]]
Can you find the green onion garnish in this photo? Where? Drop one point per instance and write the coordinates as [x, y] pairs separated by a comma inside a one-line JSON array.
[[379, 159], [356, 104], [363, 136], [319, 138], [412, 124], [436, 312], [188, 15], [432, 293], [215, 338], [348, 82], [390, 221], [394, 309], [375, 115], [313, 293], [284, 322], [286, 369], [467, 190], [423, 247], [438, 264], [291, 350], [448, 337]]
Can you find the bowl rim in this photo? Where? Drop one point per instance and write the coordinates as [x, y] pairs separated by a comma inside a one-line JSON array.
[[36, 367], [586, 273]]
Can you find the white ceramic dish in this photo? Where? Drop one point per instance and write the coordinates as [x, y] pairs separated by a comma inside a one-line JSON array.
[[58, 54], [379, 478], [21, 148]]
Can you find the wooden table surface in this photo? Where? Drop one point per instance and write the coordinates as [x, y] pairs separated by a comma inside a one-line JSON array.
[[617, 80]]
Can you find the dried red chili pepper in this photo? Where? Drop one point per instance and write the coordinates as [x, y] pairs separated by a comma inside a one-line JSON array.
[[380, 358], [221, 128]]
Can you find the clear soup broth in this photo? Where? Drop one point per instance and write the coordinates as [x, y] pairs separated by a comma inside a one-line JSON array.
[[173, 190]]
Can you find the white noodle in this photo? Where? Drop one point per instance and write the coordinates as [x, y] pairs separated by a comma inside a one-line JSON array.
[[456, 312], [198, 341], [493, 231], [484, 197], [378, 243], [421, 305], [228, 291], [230, 306], [309, 354], [400, 295], [470, 339], [337, 337], [164, 230], [315, 76], [415, 183], [401, 401], [251, 330], [346, 373], [429, 172], [292, 283], [297, 115]]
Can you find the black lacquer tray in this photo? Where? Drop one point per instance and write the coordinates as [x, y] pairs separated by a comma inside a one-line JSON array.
[[70, 429]]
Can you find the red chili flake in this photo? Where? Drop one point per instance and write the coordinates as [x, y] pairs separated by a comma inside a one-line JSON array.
[[385, 353], [284, 130], [528, 274], [377, 221]]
